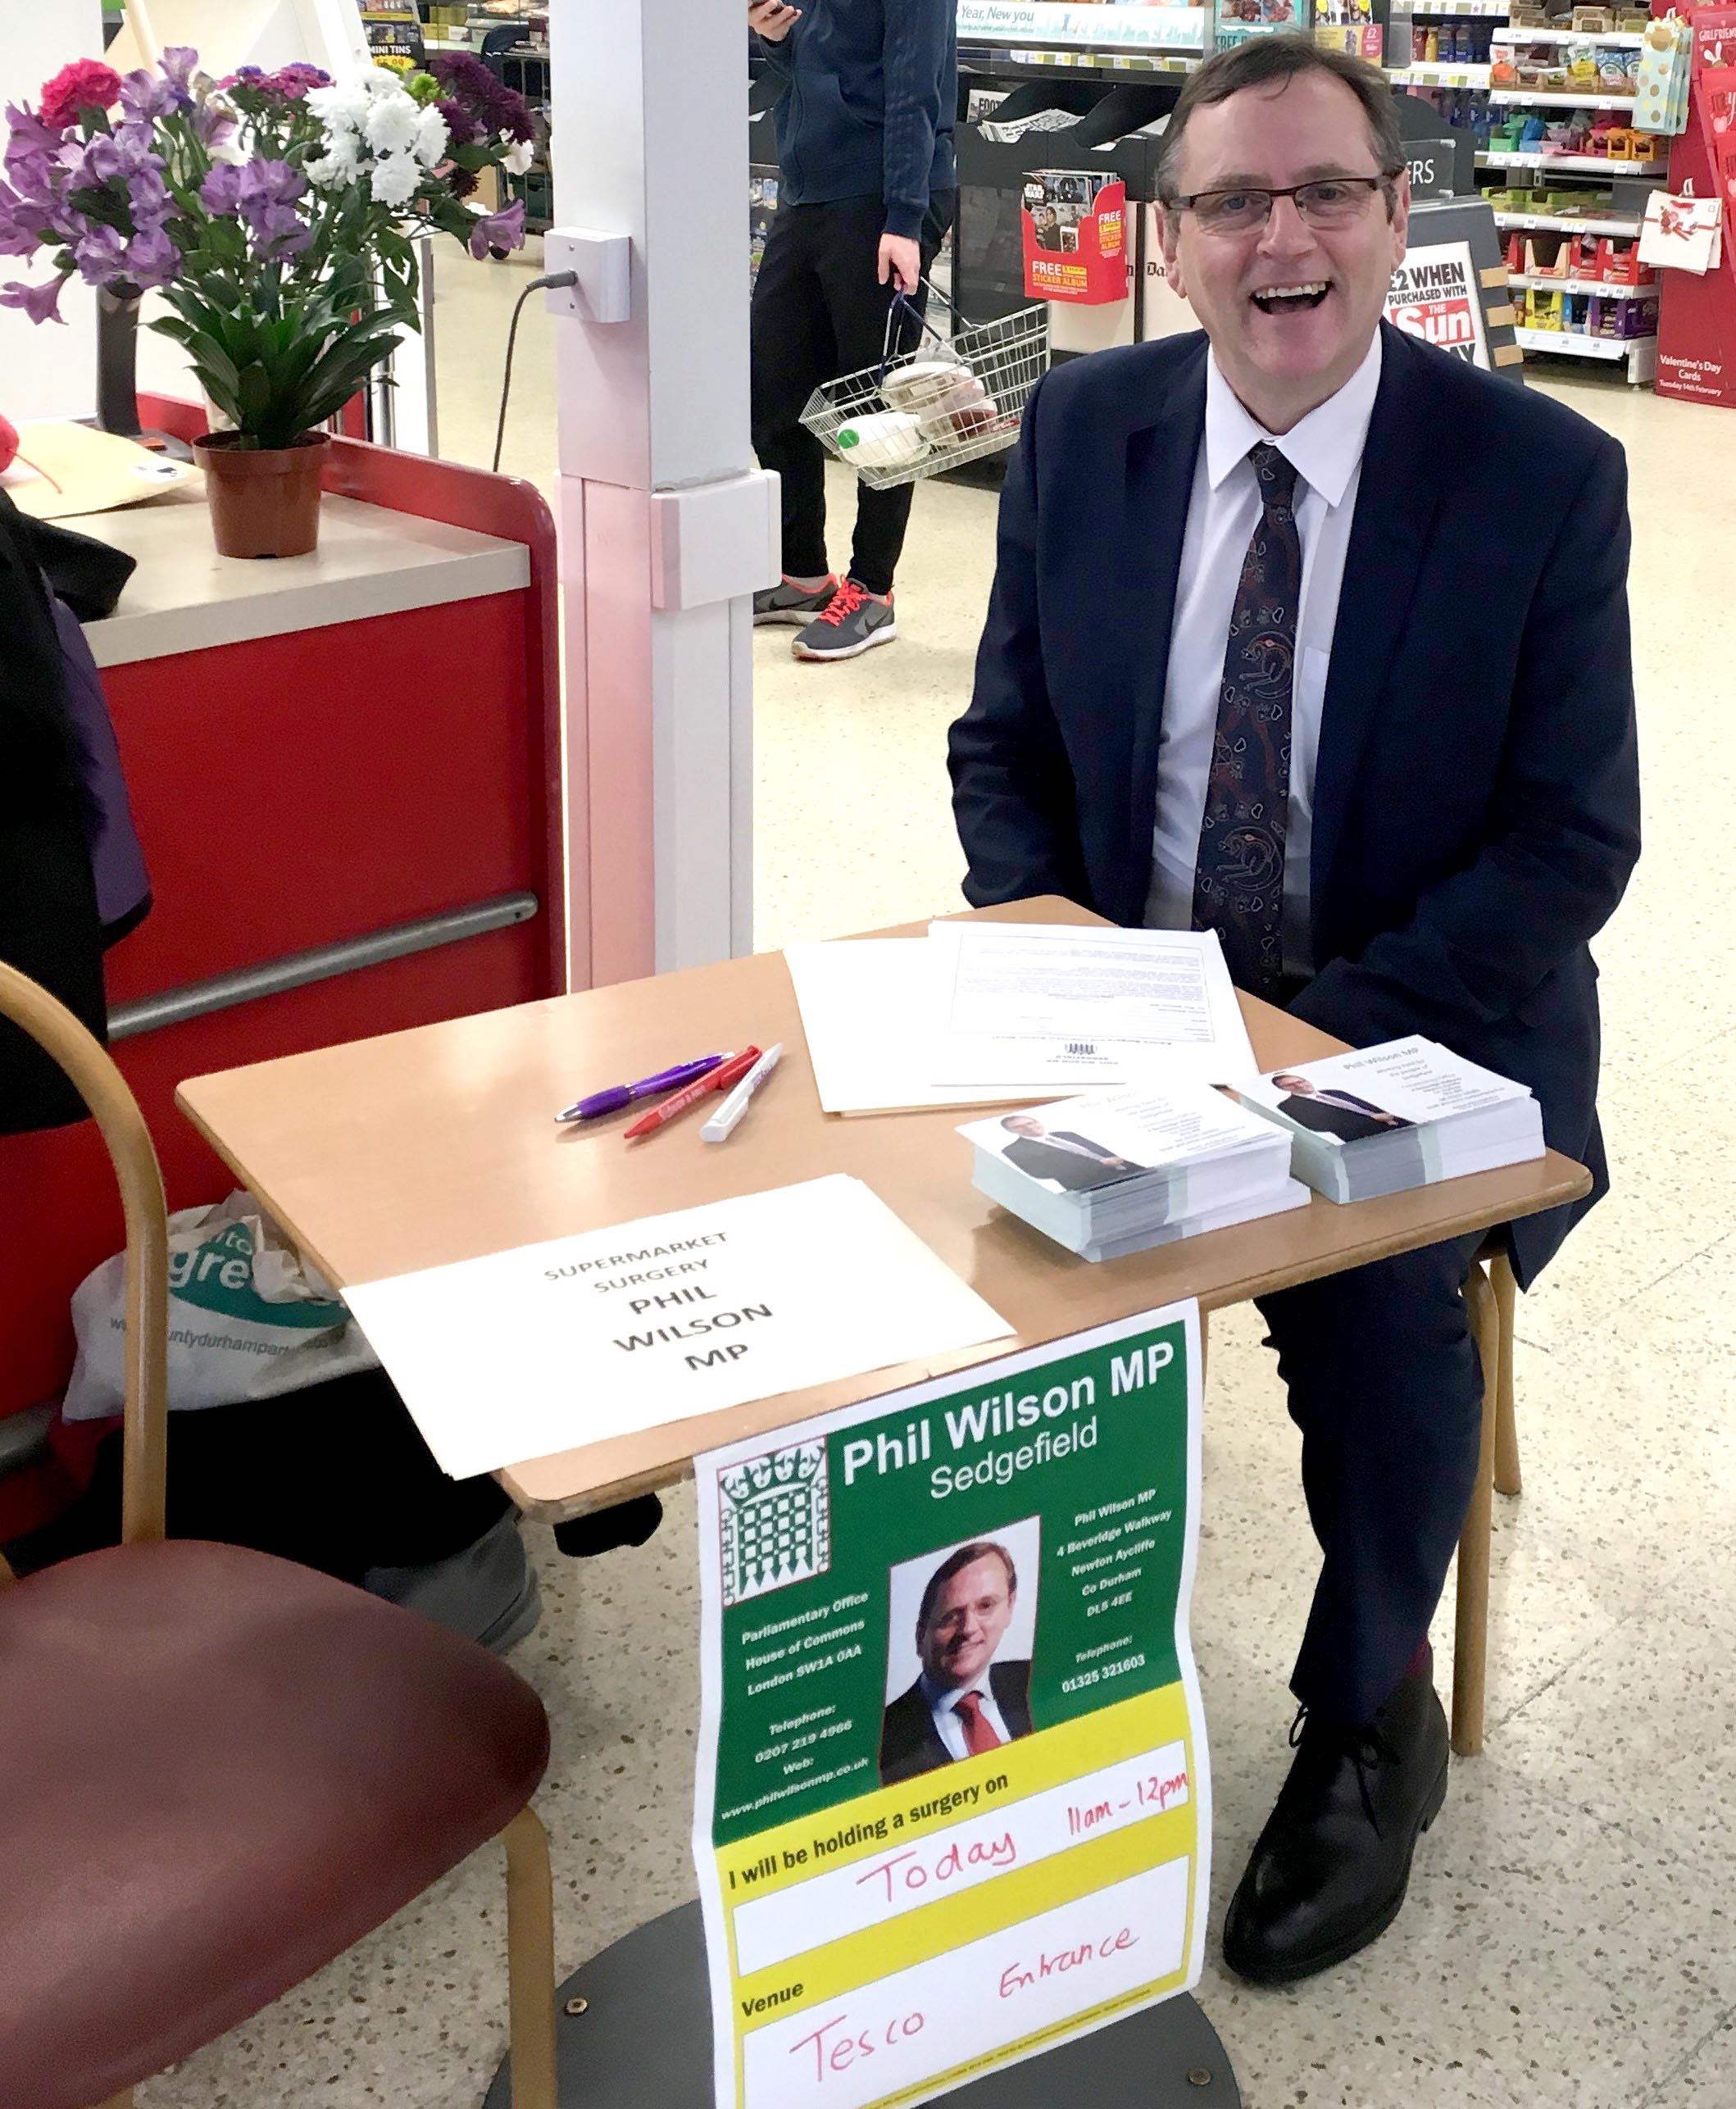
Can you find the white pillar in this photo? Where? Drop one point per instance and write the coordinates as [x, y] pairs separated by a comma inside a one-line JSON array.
[[666, 525]]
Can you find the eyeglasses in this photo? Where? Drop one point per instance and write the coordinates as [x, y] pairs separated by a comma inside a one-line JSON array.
[[1332, 201]]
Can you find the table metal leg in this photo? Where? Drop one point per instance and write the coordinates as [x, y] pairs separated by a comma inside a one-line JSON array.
[[635, 2032]]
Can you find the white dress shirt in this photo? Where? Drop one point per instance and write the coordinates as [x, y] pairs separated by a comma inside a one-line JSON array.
[[1325, 449], [943, 1708]]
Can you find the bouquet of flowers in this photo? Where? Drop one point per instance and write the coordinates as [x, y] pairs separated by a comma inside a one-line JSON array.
[[274, 213]]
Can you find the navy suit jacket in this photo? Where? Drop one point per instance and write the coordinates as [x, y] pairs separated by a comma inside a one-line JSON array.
[[1476, 805]]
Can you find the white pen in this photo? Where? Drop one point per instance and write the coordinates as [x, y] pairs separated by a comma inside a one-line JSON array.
[[724, 1122]]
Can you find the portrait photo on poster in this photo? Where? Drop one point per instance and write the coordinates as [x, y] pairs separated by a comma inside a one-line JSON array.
[[961, 1630]]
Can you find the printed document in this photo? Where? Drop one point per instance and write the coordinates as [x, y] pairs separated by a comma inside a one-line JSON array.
[[556, 1345], [1047, 1008]]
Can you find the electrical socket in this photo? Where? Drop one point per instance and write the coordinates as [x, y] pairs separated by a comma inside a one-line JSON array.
[[604, 265]]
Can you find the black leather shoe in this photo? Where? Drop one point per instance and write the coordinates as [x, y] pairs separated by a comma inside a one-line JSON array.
[[1330, 1871]]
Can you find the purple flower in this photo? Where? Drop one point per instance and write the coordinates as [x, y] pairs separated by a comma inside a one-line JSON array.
[[462, 129], [42, 303], [265, 184], [33, 174], [293, 81], [101, 255], [512, 115], [178, 62], [20, 234], [213, 126], [100, 161], [146, 97], [152, 259], [149, 200], [498, 230], [279, 232], [464, 74], [221, 192], [30, 135]]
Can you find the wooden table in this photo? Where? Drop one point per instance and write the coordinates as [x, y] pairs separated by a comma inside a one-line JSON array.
[[390, 1155], [438, 1144]]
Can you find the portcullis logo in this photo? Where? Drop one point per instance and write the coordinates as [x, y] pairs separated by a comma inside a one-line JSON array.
[[774, 1521]]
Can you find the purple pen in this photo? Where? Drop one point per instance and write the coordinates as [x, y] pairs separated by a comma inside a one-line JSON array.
[[623, 1094]]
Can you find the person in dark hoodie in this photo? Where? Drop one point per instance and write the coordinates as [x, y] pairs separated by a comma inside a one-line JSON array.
[[867, 190]]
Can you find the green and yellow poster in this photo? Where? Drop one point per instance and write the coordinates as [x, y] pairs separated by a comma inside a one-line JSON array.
[[953, 1801]]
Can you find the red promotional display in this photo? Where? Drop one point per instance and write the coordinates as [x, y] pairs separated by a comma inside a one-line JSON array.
[[1075, 236], [1697, 332]]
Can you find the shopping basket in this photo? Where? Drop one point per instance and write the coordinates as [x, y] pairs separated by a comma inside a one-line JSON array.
[[936, 407]]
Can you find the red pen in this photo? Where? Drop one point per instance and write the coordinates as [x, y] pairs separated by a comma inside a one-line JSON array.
[[725, 1079]]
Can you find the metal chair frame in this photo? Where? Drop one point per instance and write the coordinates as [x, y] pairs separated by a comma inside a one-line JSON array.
[[530, 1889]]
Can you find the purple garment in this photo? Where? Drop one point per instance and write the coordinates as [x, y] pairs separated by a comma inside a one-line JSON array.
[[123, 884]]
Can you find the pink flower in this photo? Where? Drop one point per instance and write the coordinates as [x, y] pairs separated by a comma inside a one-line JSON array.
[[86, 84]]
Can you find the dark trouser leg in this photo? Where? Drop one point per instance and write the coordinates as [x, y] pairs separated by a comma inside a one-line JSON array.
[[1387, 1388], [793, 352], [848, 262]]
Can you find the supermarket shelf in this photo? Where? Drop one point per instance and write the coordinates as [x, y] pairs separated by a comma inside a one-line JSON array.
[[1548, 100], [1627, 40], [1570, 164], [1603, 290], [993, 56], [1428, 74], [1055, 25], [1485, 9], [1576, 346], [1564, 223]]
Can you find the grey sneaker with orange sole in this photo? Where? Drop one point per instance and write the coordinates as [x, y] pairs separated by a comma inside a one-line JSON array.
[[853, 621], [787, 601]]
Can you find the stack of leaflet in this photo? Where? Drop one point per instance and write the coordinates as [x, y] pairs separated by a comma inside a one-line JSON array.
[[1117, 1172], [1388, 1118]]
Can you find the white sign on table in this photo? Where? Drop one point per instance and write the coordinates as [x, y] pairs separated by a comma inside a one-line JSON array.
[[546, 1347]]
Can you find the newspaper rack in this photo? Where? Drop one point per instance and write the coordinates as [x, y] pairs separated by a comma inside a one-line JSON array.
[[1007, 358]]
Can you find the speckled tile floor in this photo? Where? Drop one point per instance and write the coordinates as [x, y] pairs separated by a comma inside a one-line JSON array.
[[1570, 1938]]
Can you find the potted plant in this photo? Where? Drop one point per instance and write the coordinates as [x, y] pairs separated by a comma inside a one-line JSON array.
[[273, 215]]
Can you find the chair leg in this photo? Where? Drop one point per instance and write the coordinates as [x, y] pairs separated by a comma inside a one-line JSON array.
[[1470, 1640], [530, 1951], [1506, 1431]]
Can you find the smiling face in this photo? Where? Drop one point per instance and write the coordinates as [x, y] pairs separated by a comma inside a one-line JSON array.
[[1290, 309], [965, 1623], [1021, 1124]]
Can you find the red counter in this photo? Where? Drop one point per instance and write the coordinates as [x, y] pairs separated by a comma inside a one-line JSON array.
[[319, 750]]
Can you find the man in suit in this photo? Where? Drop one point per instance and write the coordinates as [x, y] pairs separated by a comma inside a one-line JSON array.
[[1271, 650], [964, 1703], [1074, 1162], [1339, 1113]]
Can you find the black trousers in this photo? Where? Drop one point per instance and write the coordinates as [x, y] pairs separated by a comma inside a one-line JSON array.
[[819, 312], [1386, 1385]]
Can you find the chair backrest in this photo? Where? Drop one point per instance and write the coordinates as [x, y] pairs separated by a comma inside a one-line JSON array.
[[104, 1090]]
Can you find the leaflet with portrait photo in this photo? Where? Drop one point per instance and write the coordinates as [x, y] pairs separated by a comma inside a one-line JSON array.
[[953, 1804]]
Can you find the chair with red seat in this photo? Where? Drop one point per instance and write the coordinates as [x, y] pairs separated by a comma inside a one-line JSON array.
[[221, 1769]]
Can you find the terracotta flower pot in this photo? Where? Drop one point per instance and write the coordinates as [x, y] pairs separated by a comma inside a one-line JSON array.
[[264, 501]]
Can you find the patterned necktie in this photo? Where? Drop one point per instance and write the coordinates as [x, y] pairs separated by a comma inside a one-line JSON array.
[[1238, 880], [979, 1735]]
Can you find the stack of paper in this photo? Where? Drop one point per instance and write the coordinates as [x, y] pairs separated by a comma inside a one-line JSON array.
[[1119, 1171], [978, 1013], [1387, 1118]]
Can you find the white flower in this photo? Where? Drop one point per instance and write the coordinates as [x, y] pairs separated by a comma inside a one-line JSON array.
[[397, 178], [392, 123], [340, 166], [431, 137], [341, 109], [519, 156], [381, 80]]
